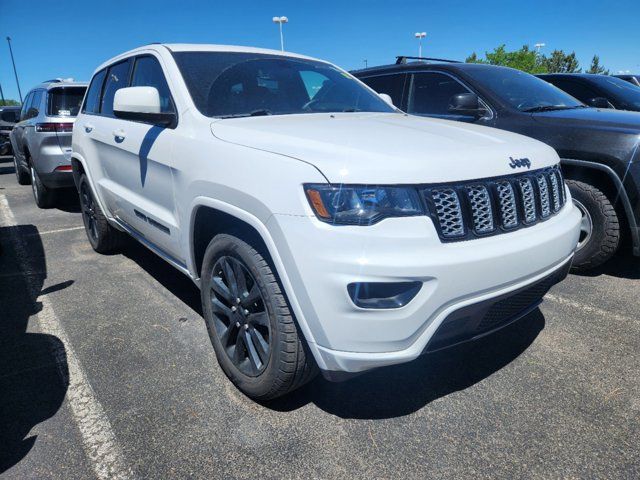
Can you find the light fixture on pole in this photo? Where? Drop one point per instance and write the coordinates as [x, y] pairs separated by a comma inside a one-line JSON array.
[[420, 36], [14, 68], [539, 46], [280, 21]]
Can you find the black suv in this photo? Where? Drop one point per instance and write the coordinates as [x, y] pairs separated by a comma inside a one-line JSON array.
[[599, 148], [635, 79], [601, 91], [9, 116]]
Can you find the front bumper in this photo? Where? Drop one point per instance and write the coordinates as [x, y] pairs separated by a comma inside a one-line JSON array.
[[321, 260]]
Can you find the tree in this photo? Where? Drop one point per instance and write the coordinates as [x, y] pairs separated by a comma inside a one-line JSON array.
[[523, 59], [559, 62], [596, 67], [8, 101]]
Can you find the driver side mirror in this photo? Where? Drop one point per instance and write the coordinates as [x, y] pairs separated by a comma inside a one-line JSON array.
[[141, 104], [466, 104], [386, 98], [599, 102]]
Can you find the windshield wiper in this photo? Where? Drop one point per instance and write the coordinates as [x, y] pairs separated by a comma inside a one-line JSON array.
[[254, 113], [548, 108]]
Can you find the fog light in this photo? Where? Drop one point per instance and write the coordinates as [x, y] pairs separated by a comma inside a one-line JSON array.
[[380, 295]]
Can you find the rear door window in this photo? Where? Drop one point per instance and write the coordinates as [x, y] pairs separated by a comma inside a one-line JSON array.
[[34, 108], [65, 101], [25, 106], [92, 100], [431, 93], [576, 89], [148, 73], [117, 78], [392, 85]]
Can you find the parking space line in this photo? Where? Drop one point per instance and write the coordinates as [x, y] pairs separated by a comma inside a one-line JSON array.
[[588, 308], [69, 229], [99, 441]]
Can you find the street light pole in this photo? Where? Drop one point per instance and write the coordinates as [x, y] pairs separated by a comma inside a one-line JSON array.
[[539, 46], [280, 21], [14, 68], [420, 36], [2, 96]]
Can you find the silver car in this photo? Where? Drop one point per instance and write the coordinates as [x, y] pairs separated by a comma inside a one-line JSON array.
[[41, 140]]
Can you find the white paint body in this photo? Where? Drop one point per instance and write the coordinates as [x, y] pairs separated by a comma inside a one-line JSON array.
[[254, 168]]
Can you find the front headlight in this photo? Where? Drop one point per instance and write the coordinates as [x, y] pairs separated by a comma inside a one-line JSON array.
[[362, 204]]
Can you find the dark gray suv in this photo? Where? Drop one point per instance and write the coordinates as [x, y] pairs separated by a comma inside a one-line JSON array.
[[41, 140]]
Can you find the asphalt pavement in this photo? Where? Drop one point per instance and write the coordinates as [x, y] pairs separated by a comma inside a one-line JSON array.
[[106, 371]]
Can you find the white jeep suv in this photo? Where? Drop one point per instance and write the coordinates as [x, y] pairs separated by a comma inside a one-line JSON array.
[[324, 227]]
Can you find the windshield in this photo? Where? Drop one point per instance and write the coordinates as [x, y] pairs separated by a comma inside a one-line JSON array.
[[65, 101], [522, 90], [235, 84], [624, 92]]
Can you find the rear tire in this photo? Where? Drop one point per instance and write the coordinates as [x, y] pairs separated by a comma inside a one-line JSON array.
[[22, 176], [45, 197], [102, 236], [253, 332], [600, 232]]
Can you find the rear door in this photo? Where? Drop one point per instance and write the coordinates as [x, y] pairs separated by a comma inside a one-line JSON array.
[[136, 157], [17, 134]]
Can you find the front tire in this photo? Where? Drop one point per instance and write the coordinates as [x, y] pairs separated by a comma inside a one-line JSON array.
[[102, 236], [600, 228], [253, 332], [45, 197]]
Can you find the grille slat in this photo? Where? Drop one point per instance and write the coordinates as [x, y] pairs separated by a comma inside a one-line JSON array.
[[449, 212], [493, 206], [508, 208], [480, 208]]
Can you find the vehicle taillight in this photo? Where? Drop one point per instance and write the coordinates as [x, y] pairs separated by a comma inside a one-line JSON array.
[[54, 127], [64, 168]]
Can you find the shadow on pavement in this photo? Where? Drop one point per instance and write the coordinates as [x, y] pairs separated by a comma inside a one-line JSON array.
[[622, 265], [33, 367], [403, 389]]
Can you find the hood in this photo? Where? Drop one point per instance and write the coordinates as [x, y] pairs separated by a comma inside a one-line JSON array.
[[387, 148], [593, 118]]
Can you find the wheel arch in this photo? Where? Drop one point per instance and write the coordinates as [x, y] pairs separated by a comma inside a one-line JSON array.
[[210, 217], [605, 178]]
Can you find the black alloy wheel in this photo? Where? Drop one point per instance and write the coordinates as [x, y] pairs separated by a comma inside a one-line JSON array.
[[240, 317], [88, 212]]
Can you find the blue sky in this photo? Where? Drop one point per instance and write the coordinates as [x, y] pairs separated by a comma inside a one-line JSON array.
[[70, 38]]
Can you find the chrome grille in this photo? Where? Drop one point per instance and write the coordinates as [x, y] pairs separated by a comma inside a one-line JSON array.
[[492, 206], [480, 208]]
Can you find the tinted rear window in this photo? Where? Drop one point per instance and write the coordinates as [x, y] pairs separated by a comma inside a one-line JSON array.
[[65, 101]]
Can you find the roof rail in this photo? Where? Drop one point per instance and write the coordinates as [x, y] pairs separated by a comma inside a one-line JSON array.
[[59, 80], [401, 59]]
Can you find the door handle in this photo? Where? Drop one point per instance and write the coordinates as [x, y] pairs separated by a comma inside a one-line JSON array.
[[119, 134], [88, 127]]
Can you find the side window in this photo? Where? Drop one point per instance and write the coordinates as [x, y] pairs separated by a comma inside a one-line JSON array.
[[25, 106], [576, 89], [392, 85], [117, 78], [92, 100], [431, 92], [148, 73], [34, 108]]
